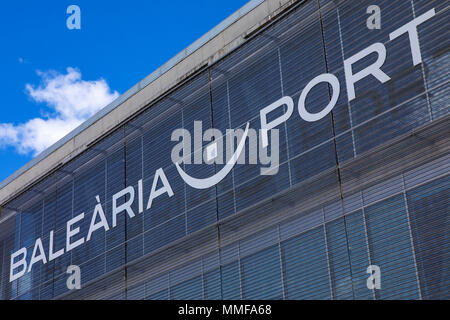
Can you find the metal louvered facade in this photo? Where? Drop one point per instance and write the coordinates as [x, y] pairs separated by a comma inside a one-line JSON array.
[[368, 184]]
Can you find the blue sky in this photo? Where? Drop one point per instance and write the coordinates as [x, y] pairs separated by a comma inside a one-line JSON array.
[[53, 77]]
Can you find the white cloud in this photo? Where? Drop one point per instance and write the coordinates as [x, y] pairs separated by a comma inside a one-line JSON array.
[[71, 100], [8, 134]]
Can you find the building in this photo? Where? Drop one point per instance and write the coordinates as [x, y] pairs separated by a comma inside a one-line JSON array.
[[362, 182]]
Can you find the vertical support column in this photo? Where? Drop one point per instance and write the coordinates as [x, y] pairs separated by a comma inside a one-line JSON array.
[[168, 286], [348, 103], [229, 124], [367, 238], [240, 270], [125, 245], [425, 84], [142, 177], [283, 286], [105, 197], [328, 257], [285, 124], [203, 278], [332, 113], [411, 236]]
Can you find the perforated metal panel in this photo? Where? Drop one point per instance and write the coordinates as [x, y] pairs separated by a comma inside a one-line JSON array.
[[367, 184]]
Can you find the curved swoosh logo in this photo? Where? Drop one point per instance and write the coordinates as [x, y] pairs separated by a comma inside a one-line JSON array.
[[215, 179]]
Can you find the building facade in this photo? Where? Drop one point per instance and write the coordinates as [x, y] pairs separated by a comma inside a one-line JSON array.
[[364, 181]]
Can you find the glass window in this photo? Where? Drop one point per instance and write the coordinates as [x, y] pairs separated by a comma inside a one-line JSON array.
[[430, 222], [231, 288], [348, 256], [165, 233], [390, 249], [212, 285], [261, 275], [338, 254], [359, 256], [188, 290], [161, 295], [305, 266]]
